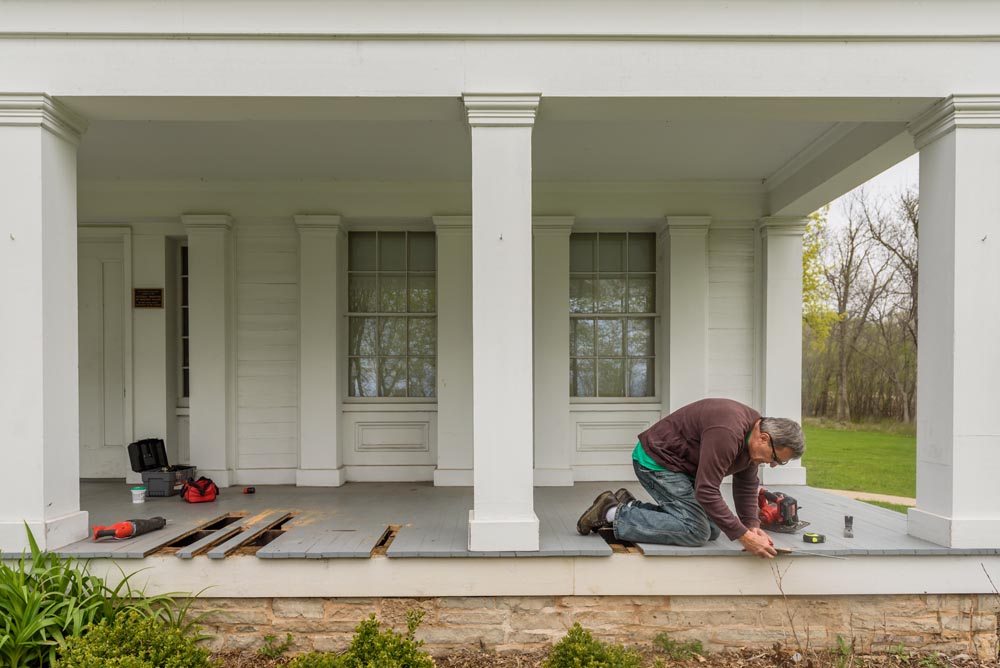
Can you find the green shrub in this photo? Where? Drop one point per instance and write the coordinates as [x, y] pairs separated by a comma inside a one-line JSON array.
[[131, 640], [579, 649], [373, 648], [677, 650], [44, 600], [272, 649]]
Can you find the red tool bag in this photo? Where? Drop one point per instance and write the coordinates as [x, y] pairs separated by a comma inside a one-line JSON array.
[[201, 490]]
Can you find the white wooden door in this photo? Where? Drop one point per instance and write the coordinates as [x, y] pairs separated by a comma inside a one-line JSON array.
[[102, 359]]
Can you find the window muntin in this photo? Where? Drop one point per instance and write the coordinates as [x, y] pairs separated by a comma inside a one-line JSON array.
[[392, 314], [612, 305]]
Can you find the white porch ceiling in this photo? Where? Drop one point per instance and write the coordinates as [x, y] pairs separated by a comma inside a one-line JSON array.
[[751, 140]]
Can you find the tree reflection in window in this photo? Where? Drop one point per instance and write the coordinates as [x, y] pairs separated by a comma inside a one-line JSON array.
[[612, 306], [392, 303]]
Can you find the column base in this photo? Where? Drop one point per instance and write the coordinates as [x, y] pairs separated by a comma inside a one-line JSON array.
[[503, 535], [453, 477], [553, 477], [50, 534], [320, 477], [221, 477], [784, 475], [952, 532]]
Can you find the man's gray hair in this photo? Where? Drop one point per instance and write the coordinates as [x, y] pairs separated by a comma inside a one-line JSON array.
[[785, 433]]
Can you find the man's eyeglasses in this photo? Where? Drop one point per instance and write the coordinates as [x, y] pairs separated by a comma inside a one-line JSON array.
[[774, 454]]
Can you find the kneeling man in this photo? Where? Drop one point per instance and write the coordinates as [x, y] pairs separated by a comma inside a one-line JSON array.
[[681, 461]]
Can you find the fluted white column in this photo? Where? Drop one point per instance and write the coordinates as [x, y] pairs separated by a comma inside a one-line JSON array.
[[322, 355], [503, 516], [39, 393], [212, 352], [958, 435], [781, 281]]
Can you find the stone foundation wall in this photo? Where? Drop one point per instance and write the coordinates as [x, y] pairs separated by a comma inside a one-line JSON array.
[[948, 623]]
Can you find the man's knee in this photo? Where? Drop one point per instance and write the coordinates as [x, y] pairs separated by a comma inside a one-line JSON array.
[[700, 533]]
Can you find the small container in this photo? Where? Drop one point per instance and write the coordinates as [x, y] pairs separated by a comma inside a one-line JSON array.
[[249, 490], [139, 494]]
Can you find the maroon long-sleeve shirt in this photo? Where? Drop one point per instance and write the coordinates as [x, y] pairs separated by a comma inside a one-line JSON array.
[[707, 441]]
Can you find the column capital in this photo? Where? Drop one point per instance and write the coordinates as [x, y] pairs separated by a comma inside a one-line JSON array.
[[501, 109], [787, 226], [307, 222], [552, 225], [207, 221], [38, 109], [955, 111], [687, 226], [452, 224]]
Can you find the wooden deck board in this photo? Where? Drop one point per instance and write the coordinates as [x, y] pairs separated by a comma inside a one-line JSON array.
[[347, 521], [254, 527]]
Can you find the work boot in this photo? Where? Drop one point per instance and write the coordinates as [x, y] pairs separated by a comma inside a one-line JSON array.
[[624, 496], [593, 518]]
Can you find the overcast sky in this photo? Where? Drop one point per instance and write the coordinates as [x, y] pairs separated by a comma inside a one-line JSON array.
[[889, 182]]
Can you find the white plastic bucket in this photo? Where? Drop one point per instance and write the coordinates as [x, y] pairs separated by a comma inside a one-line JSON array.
[[139, 494]]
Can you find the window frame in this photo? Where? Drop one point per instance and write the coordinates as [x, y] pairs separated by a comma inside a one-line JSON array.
[[183, 305], [376, 401], [653, 317]]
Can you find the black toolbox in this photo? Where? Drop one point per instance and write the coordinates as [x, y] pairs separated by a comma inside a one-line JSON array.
[[149, 457]]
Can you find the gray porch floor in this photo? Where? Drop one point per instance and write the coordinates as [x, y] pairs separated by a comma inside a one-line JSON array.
[[348, 522]]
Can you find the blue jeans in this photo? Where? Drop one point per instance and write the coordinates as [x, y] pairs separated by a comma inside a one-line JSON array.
[[675, 519]]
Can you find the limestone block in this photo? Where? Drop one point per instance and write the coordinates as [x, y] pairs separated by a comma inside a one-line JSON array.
[[243, 641], [310, 608], [474, 617], [520, 603], [466, 636], [231, 617], [470, 603], [331, 642]]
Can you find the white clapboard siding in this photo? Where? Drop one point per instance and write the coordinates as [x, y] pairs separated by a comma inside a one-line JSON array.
[[731, 314], [267, 291]]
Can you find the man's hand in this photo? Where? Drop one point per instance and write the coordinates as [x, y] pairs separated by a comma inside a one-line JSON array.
[[757, 542]]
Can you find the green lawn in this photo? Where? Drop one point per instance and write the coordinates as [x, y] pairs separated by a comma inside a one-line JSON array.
[[863, 461]]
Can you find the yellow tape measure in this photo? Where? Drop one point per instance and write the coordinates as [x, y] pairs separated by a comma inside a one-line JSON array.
[[813, 538]]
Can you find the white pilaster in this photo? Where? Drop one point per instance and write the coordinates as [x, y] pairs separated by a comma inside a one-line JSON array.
[[210, 298], [503, 516], [454, 316], [322, 376], [688, 282], [551, 324], [154, 409], [781, 287], [39, 393], [958, 435]]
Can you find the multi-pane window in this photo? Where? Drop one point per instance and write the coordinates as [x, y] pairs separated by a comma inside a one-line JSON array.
[[185, 327], [392, 322], [612, 306]]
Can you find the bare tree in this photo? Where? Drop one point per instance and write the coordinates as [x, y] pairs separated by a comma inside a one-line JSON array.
[[859, 276]]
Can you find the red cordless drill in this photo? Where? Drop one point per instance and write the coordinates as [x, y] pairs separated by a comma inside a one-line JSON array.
[[129, 528]]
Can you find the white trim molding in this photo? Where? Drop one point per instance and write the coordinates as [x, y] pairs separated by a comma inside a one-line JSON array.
[[956, 111], [500, 109], [39, 109]]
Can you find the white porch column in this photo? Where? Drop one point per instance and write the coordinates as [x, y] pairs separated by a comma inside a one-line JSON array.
[[503, 516], [688, 338], [322, 331], [551, 318], [958, 434], [781, 283], [212, 353], [39, 393], [454, 370]]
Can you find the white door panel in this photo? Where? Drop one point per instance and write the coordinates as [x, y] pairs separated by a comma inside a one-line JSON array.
[[102, 359]]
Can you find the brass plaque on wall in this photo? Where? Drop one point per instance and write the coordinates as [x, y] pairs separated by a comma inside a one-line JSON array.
[[147, 298]]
